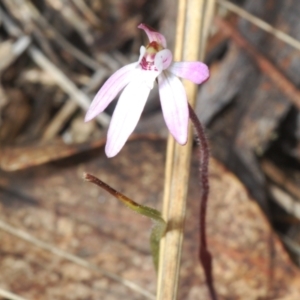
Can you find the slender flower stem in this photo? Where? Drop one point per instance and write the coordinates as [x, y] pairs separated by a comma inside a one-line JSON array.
[[204, 255]]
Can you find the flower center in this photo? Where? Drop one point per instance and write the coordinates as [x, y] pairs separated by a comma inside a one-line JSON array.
[[147, 62]]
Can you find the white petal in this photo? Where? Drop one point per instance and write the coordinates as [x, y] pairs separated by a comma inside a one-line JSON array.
[[174, 105], [149, 77], [126, 114], [110, 89], [163, 59]]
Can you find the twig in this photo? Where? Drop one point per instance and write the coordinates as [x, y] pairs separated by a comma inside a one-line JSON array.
[[204, 254], [260, 23], [280, 81], [73, 258], [10, 295]]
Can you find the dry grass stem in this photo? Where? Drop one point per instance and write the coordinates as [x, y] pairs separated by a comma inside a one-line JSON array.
[[69, 108], [73, 258], [285, 200], [265, 65], [10, 295], [71, 16], [10, 51], [65, 83], [30, 15], [260, 23], [58, 76], [87, 12], [190, 34]]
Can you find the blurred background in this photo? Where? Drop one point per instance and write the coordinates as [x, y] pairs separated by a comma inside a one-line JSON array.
[[62, 238]]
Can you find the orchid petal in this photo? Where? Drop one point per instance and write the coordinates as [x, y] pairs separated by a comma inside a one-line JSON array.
[[153, 35], [149, 77], [114, 84], [163, 59], [126, 115], [196, 72], [174, 105]]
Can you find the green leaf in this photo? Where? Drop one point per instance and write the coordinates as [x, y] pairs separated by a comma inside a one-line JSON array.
[[159, 227]]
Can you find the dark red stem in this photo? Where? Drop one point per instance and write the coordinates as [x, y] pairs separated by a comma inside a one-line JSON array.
[[204, 255]]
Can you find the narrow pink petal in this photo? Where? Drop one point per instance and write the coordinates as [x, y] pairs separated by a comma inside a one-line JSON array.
[[163, 59], [196, 72], [114, 84], [126, 115], [153, 35], [174, 105]]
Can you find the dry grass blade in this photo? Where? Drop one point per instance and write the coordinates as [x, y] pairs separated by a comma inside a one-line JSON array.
[[10, 51], [76, 21], [65, 83], [58, 76], [266, 66], [25, 14], [87, 12], [9, 25], [280, 178], [10, 295], [59, 120], [260, 23], [294, 246], [192, 16], [69, 108], [3, 99], [283, 199], [45, 31], [73, 258]]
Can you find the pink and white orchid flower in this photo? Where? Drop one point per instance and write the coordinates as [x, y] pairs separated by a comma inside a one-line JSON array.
[[138, 78]]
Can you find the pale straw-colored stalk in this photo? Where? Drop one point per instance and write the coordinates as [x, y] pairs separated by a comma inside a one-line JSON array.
[[193, 22], [9, 295]]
